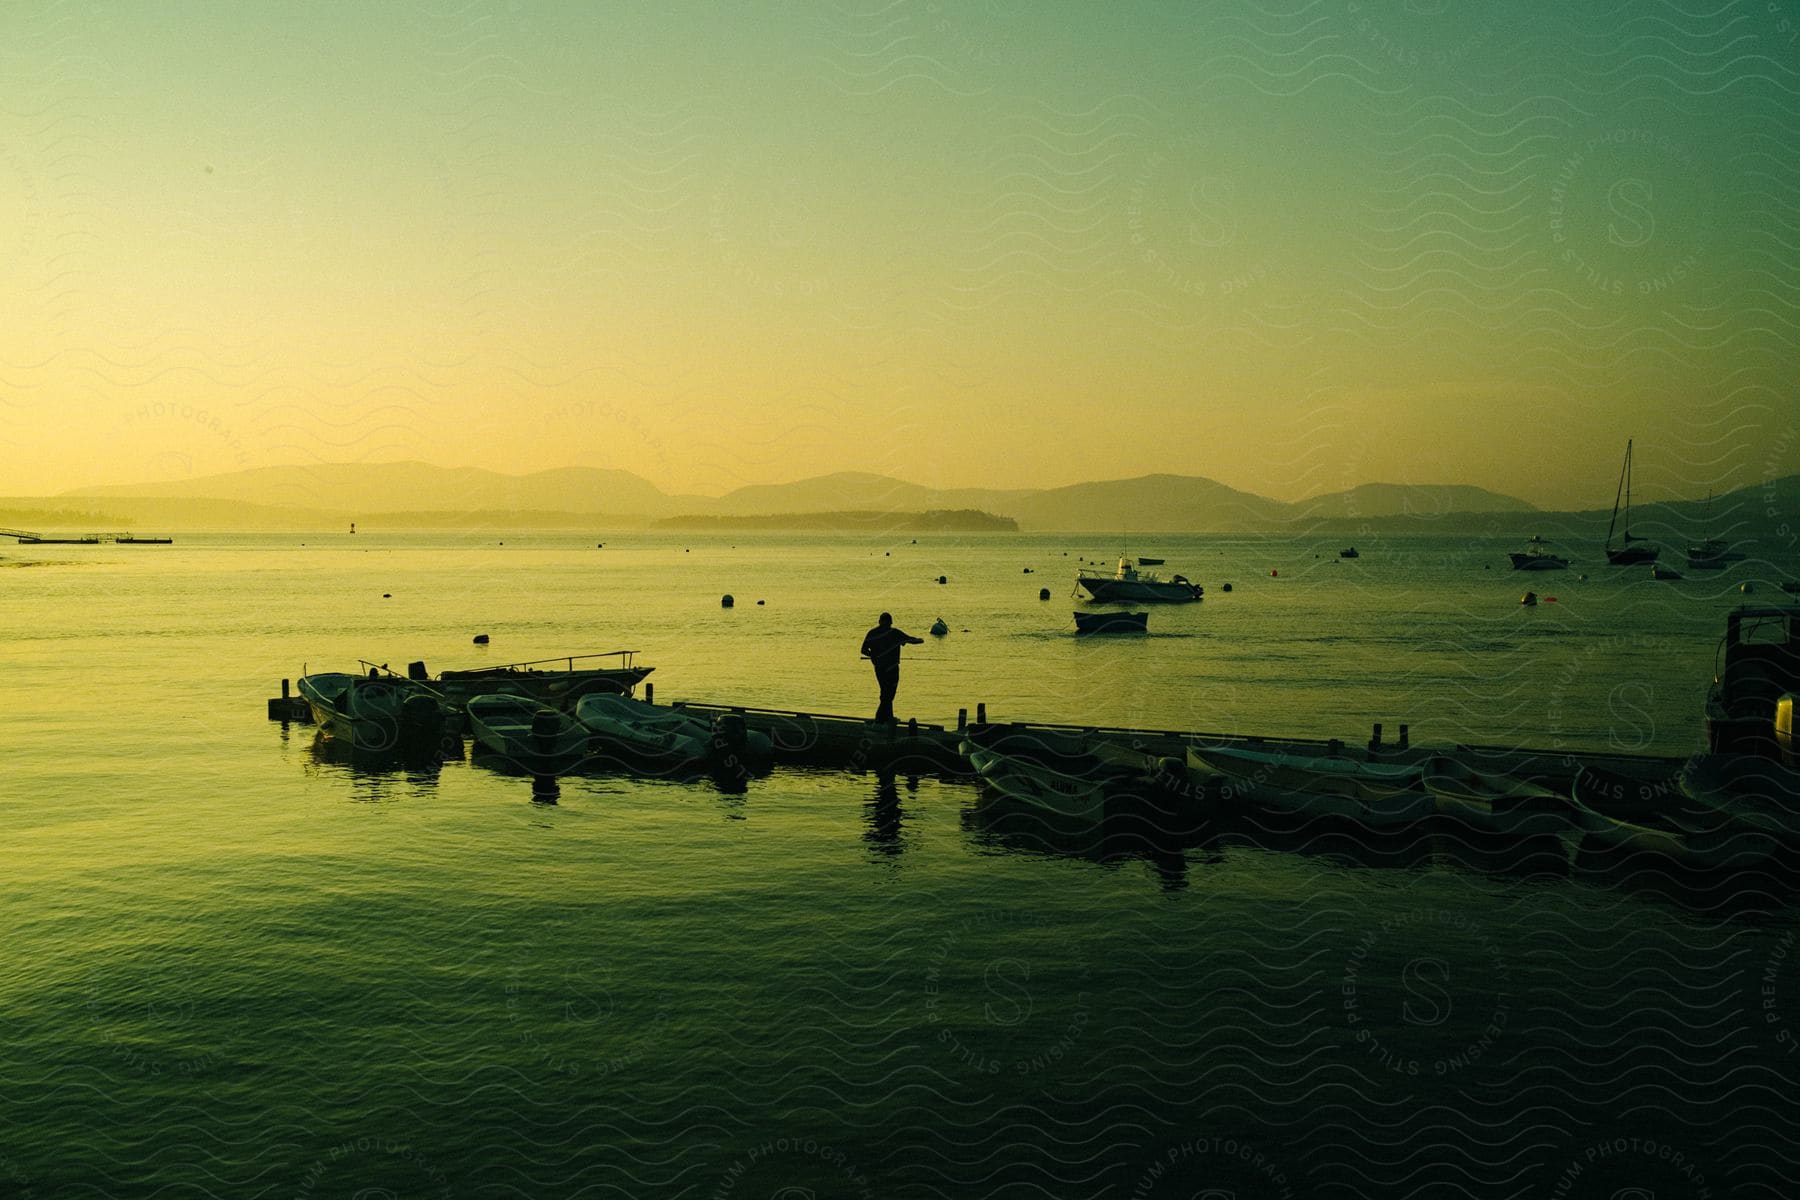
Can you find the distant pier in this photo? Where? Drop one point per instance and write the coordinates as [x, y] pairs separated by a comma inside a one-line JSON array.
[[26, 537]]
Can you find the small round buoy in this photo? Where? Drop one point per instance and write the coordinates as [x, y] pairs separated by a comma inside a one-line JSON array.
[[887, 554], [1746, 587], [938, 628], [1027, 571], [943, 579], [1549, 599], [1225, 587], [1528, 599], [1583, 578], [1273, 574], [1043, 593], [387, 595], [762, 601], [726, 601], [480, 639], [599, 545]]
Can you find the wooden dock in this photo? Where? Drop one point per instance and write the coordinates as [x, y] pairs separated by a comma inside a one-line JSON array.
[[927, 748]]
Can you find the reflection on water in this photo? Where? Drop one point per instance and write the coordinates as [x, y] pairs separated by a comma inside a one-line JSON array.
[[372, 772], [883, 820]]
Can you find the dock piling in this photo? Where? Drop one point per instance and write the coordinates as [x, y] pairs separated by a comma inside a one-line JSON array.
[[1375, 737], [981, 713], [962, 720], [1404, 739], [649, 693]]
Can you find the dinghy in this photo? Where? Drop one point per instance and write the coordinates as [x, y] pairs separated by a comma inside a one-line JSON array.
[[1492, 804], [1756, 793], [1376, 795], [527, 735], [380, 712], [665, 740]]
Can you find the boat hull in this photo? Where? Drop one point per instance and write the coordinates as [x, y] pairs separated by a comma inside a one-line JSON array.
[[1111, 622], [1537, 562], [1107, 590], [560, 689], [1631, 555], [527, 736], [1373, 795], [381, 715], [647, 738]]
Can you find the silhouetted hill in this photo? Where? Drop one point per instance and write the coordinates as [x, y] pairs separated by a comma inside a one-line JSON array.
[[410, 494], [1428, 501], [1151, 504], [953, 521], [352, 488], [855, 491]]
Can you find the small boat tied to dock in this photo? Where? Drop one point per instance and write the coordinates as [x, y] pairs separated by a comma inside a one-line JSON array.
[[1725, 819]]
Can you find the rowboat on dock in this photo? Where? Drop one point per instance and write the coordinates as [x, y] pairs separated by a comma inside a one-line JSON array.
[[1747, 790], [667, 740], [1376, 795], [527, 735], [379, 712], [1073, 776], [1489, 804]]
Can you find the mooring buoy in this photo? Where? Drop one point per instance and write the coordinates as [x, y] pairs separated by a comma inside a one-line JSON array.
[[481, 639], [726, 601]]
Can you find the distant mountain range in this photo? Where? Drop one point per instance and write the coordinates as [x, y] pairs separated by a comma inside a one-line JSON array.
[[336, 493], [418, 495]]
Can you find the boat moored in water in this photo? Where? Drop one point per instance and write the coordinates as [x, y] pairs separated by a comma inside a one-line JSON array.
[[1626, 554], [560, 682], [1128, 585], [376, 712], [1376, 795], [1111, 622], [667, 740], [1536, 558], [527, 735]]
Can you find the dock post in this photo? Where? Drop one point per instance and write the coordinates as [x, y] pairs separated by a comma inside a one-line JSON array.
[[981, 713], [284, 689], [1375, 737], [912, 729], [962, 719], [649, 693], [1403, 737]]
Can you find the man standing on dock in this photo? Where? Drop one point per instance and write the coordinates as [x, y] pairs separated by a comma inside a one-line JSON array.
[[881, 646]]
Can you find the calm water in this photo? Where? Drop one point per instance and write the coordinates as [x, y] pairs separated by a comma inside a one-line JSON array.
[[237, 966]]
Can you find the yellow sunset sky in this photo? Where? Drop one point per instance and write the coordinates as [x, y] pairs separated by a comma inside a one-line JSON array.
[[989, 244]]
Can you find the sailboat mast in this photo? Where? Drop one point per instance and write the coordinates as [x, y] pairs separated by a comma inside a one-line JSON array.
[[1628, 489], [1624, 473]]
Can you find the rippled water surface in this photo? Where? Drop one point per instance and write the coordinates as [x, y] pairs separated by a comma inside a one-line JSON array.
[[238, 965]]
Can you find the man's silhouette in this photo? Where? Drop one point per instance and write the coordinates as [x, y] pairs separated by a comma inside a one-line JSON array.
[[881, 646]]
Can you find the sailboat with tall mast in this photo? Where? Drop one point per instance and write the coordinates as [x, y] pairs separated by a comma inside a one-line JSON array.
[[1626, 554]]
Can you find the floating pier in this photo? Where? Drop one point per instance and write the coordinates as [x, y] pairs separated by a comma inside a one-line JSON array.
[[926, 748]]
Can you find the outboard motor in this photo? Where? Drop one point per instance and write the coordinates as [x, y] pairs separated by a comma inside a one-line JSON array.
[[544, 726], [729, 735], [421, 721]]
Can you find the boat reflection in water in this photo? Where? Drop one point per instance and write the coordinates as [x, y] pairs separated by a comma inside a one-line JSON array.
[[331, 755]]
